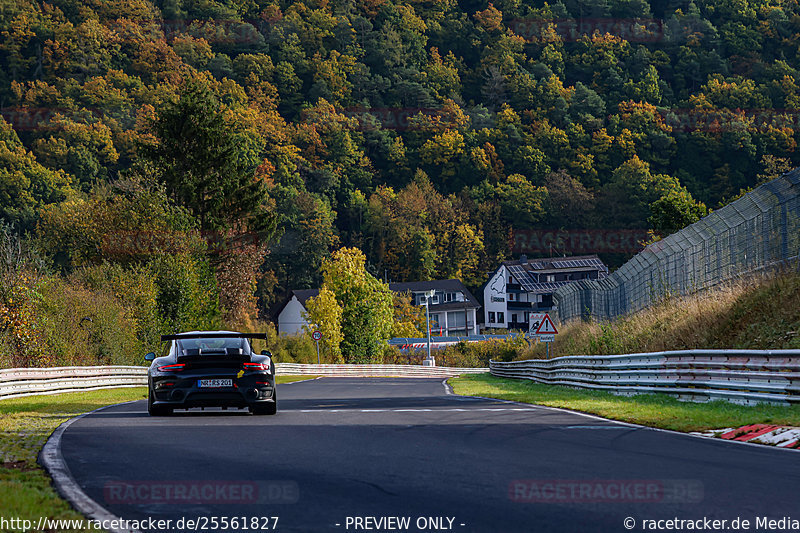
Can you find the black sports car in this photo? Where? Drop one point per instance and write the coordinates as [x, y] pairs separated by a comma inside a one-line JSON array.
[[211, 369]]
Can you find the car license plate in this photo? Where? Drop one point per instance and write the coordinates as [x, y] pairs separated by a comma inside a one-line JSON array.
[[205, 383]]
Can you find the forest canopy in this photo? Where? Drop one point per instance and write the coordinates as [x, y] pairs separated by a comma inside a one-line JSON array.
[[421, 132]]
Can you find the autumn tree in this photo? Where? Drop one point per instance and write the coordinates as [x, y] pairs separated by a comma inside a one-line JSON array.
[[207, 160], [570, 204], [323, 313], [366, 303], [409, 318], [675, 210], [523, 203], [25, 185]]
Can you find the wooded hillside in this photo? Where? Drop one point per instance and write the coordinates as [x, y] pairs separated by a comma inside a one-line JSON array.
[[421, 132]]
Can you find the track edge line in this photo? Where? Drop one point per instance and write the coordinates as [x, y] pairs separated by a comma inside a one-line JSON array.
[[632, 424], [51, 458]]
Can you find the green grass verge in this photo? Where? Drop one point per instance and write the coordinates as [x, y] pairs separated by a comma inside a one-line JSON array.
[[25, 425], [655, 410]]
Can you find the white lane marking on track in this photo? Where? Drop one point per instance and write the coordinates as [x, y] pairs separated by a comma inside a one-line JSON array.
[[421, 410], [598, 427], [53, 461], [447, 388]]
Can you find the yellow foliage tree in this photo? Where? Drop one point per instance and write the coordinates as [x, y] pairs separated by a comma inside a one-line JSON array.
[[324, 313]]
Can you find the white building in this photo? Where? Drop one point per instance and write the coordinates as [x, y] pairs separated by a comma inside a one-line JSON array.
[[518, 288], [290, 316], [453, 309]]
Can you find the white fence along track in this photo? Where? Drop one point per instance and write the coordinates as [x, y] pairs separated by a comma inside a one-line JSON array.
[[16, 382]]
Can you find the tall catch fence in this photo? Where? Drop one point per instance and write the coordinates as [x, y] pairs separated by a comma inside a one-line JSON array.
[[758, 231]]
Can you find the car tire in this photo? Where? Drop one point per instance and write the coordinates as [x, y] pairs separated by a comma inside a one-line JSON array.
[[156, 410], [266, 408]]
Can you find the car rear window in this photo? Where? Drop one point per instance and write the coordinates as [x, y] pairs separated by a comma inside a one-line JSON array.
[[224, 346]]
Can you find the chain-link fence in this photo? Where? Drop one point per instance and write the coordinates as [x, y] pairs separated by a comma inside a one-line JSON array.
[[759, 230]]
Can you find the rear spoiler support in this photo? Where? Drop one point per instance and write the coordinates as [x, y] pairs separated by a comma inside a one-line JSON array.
[[180, 336]]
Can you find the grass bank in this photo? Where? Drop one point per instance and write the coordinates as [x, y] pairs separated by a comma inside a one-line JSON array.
[[25, 425], [760, 313], [654, 410]]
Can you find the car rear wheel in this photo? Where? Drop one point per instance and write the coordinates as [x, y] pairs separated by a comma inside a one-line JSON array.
[[156, 410]]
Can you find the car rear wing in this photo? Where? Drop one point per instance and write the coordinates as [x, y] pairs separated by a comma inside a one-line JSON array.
[[180, 336]]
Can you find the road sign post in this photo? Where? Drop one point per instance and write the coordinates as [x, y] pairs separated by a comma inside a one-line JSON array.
[[545, 329], [428, 295], [534, 322], [317, 335]]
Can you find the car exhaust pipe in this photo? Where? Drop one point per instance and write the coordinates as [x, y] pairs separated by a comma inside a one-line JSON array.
[[176, 395], [252, 394]]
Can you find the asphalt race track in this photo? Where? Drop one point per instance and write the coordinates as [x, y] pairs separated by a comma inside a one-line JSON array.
[[342, 454]]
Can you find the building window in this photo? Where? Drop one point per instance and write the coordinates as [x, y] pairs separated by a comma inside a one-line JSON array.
[[551, 278], [501, 317], [510, 296], [491, 317]]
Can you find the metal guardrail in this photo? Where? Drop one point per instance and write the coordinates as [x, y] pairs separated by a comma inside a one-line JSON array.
[[31, 381], [740, 376], [438, 343], [16, 382], [375, 370]]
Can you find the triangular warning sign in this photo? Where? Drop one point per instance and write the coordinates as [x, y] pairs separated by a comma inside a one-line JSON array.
[[546, 327]]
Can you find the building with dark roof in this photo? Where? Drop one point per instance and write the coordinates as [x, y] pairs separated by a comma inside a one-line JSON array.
[[453, 309], [524, 286], [290, 314]]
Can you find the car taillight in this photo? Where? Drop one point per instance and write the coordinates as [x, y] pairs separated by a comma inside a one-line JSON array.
[[255, 366], [172, 368]]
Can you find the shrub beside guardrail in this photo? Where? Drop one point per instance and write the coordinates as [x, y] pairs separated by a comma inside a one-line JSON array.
[[16, 382], [740, 376]]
